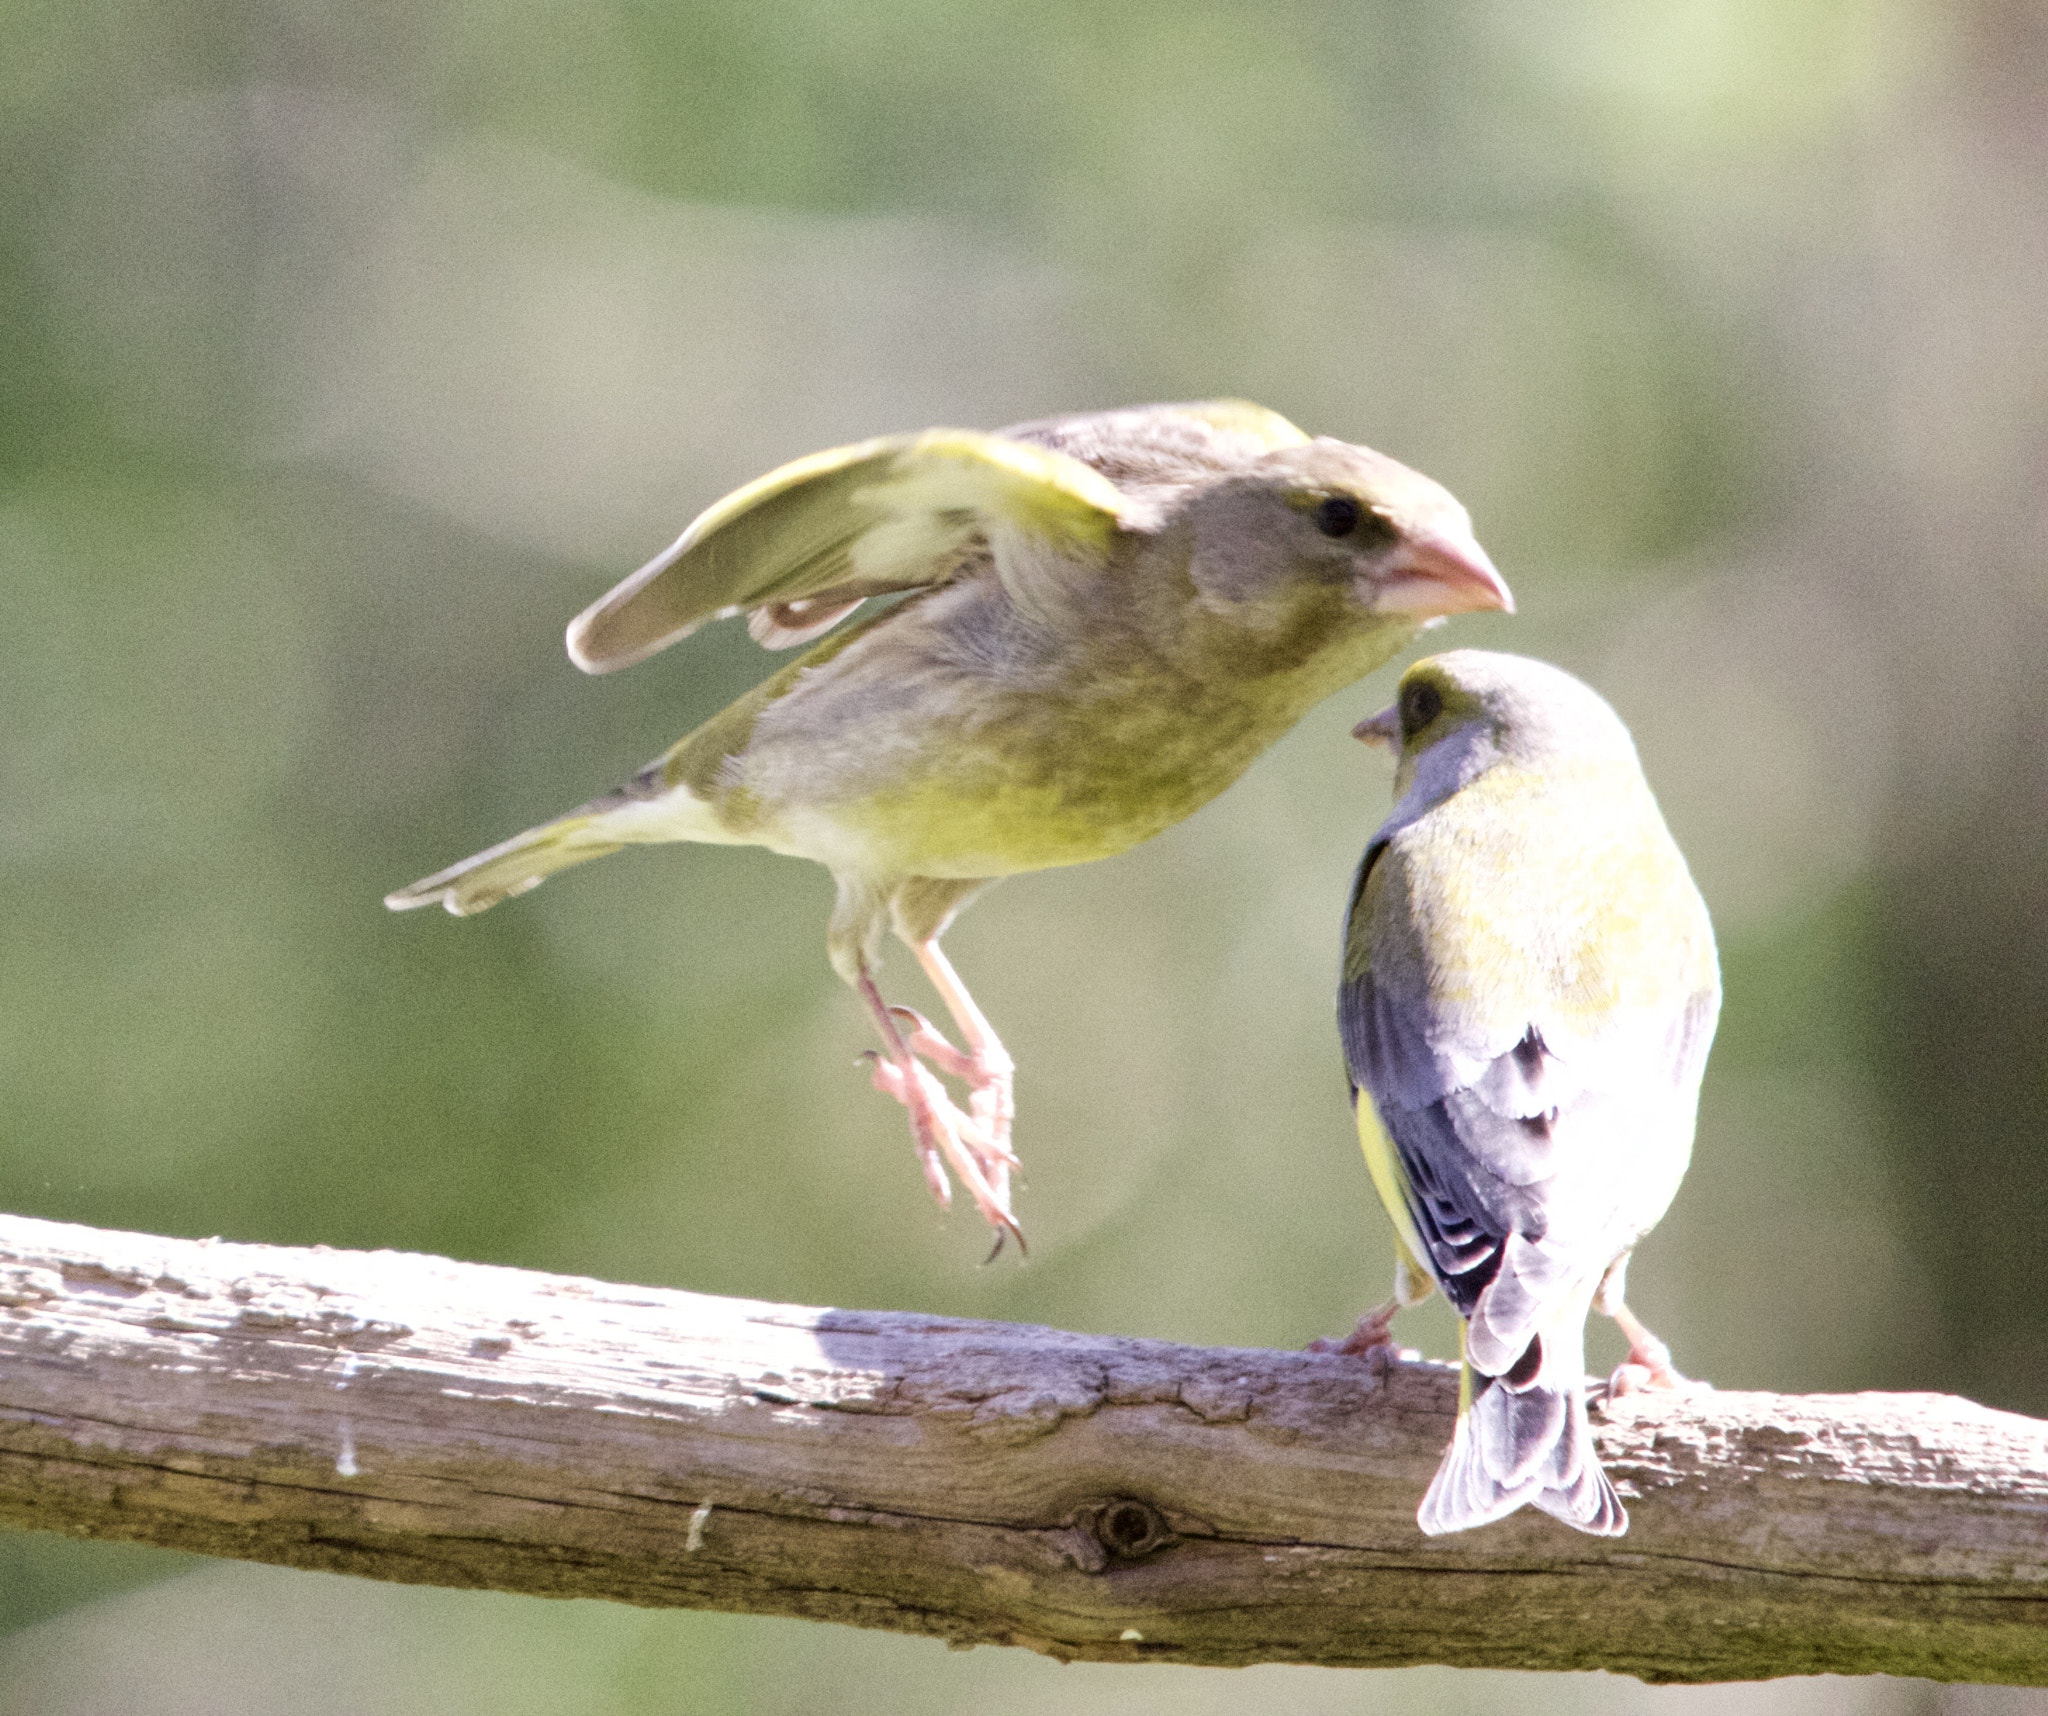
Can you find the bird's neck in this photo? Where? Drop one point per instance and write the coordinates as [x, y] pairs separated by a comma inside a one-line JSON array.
[[1294, 657]]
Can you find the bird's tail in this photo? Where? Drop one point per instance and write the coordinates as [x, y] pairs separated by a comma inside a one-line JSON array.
[[512, 866], [1523, 1443], [646, 809]]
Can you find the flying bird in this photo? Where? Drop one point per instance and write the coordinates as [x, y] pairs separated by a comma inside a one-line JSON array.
[[1529, 991], [1102, 619]]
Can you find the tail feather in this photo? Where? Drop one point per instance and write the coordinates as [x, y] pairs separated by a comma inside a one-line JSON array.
[[1526, 1447], [646, 810], [510, 867], [1519, 1432]]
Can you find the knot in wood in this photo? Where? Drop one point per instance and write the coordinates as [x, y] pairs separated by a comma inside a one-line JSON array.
[[1129, 1529]]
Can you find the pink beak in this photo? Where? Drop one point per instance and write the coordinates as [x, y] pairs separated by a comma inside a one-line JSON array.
[[1440, 570]]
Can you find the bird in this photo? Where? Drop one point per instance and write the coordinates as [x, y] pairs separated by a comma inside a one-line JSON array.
[[1099, 621], [1528, 995]]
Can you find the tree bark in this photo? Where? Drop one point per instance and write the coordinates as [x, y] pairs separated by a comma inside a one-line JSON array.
[[410, 1418]]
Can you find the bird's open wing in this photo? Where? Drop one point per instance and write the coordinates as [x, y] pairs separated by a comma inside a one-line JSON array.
[[804, 545], [1528, 1150]]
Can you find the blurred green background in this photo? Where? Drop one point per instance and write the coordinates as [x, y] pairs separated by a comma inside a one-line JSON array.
[[347, 351]]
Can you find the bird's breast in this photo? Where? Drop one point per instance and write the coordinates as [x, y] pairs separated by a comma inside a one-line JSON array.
[[969, 751]]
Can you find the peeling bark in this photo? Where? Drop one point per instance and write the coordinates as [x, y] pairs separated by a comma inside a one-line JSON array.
[[415, 1419]]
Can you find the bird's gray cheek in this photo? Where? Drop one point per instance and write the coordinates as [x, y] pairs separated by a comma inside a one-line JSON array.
[[1242, 570], [1218, 578]]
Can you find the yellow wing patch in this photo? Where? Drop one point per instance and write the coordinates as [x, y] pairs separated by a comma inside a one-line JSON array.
[[950, 483], [1242, 417], [1390, 1181], [881, 515]]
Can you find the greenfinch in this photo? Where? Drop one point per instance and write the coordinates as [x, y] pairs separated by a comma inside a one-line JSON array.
[[1105, 618], [1529, 991]]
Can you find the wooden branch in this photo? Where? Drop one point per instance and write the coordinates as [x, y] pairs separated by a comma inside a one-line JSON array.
[[410, 1418]]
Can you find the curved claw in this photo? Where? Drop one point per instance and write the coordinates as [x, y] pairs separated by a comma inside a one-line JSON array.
[[921, 1037], [1003, 1233]]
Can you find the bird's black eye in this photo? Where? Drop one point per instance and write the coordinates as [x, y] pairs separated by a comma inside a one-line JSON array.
[[1421, 703], [1337, 516]]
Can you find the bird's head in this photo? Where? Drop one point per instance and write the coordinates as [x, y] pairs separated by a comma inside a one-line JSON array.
[[1457, 714], [1326, 516]]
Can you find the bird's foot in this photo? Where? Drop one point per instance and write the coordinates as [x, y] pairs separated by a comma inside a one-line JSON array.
[[1630, 1378], [974, 1143], [984, 1129], [986, 1067], [1373, 1338], [1648, 1364], [946, 1137], [987, 1071], [1649, 1367]]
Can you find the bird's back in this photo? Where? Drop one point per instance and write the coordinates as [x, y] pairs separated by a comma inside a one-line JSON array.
[[1148, 449], [1562, 886]]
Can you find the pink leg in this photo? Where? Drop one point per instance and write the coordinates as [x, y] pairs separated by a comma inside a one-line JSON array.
[[1375, 1330], [1648, 1364], [989, 1072], [944, 1136]]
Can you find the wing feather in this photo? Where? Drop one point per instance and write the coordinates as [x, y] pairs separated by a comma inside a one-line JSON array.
[[837, 527]]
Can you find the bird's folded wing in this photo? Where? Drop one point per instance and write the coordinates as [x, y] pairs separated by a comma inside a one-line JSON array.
[[811, 540], [1524, 1143], [1514, 1205]]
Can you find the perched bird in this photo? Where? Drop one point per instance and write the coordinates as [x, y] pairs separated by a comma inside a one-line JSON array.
[[1528, 995], [1108, 617]]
